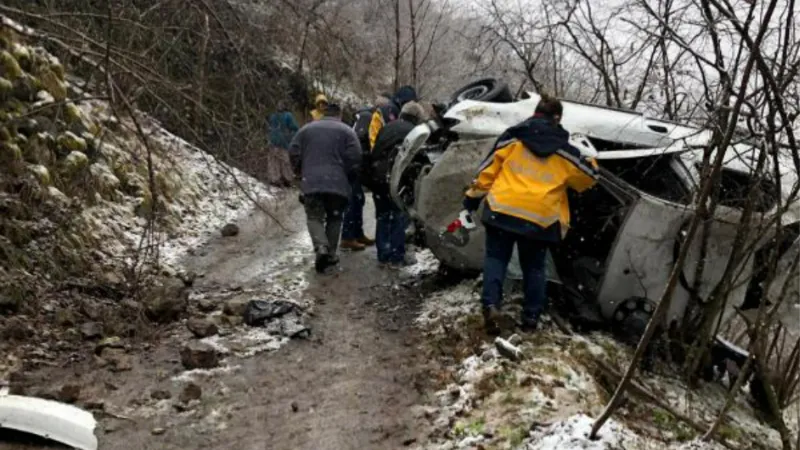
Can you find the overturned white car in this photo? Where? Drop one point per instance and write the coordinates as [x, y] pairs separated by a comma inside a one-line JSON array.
[[625, 233]]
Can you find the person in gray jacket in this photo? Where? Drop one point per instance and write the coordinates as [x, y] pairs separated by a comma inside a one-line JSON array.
[[326, 155]]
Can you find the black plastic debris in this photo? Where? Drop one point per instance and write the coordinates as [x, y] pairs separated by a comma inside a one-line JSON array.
[[258, 312]]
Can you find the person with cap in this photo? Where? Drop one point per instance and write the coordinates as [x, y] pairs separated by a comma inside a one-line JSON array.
[[320, 103], [282, 127], [390, 112], [391, 221], [525, 180], [326, 156]]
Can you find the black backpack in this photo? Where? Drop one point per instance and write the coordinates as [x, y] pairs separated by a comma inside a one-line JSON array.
[[363, 118]]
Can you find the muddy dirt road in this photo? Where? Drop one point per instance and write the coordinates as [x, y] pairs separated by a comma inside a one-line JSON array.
[[352, 384]]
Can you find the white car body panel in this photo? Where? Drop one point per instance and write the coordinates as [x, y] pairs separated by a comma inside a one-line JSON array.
[[490, 119], [51, 420]]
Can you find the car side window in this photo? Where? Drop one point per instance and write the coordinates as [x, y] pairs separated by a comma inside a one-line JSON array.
[[654, 175], [735, 186]]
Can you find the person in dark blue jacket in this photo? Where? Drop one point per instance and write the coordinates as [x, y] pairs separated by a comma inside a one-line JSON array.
[[282, 128]]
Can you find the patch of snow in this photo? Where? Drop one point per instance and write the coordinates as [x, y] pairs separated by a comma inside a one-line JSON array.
[[43, 98], [246, 341], [459, 301], [573, 434], [197, 374], [426, 264]]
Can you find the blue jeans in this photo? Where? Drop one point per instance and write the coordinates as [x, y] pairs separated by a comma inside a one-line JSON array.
[[532, 257], [390, 229], [353, 227]]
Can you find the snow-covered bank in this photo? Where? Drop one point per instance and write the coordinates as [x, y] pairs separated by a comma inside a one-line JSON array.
[[550, 398], [201, 194]]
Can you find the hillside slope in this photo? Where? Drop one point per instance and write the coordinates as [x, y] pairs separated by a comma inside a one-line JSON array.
[[94, 203]]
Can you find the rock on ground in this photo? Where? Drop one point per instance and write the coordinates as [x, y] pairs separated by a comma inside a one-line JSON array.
[[196, 355], [91, 330], [236, 307], [230, 230], [190, 392], [202, 328], [166, 302]]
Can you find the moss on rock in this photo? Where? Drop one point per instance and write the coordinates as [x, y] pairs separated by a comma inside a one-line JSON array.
[[6, 88], [58, 69], [41, 173], [53, 85], [9, 65], [23, 56], [69, 141], [76, 161], [10, 152], [72, 113]]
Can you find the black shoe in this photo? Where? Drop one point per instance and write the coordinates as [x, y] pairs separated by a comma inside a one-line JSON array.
[[321, 262], [333, 260], [490, 318]]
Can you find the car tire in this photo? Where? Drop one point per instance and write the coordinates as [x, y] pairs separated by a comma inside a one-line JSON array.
[[631, 318], [485, 90]]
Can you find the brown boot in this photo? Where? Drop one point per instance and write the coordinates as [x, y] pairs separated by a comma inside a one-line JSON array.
[[352, 245], [366, 241]]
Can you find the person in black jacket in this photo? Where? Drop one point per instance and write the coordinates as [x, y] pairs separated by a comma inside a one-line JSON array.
[[391, 221], [326, 156]]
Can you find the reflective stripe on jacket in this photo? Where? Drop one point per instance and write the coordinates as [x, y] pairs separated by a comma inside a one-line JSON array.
[[527, 175]]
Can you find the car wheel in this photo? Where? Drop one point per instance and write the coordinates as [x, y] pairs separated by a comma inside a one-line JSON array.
[[486, 90], [630, 321]]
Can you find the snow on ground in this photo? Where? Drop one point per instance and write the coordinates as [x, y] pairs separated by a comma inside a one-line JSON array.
[[550, 398], [426, 264], [573, 434], [201, 194], [223, 194]]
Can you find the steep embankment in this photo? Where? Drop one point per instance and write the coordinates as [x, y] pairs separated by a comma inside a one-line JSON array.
[[96, 206]]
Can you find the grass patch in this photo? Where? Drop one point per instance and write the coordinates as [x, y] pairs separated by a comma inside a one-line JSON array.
[[513, 436]]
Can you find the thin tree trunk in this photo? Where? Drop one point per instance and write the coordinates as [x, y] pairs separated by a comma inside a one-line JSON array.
[[412, 19], [397, 54], [201, 76], [303, 44]]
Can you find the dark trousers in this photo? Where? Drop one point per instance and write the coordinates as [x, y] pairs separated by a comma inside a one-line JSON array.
[[324, 218], [353, 227], [532, 257], [390, 229]]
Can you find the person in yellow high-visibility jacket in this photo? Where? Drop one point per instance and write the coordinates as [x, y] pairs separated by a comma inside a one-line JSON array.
[[524, 182], [389, 112], [321, 103]]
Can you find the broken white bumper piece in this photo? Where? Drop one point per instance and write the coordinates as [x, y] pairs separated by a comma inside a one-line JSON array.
[[51, 420]]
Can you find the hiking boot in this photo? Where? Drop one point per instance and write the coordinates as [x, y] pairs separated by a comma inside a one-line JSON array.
[[490, 320], [366, 241], [333, 260], [321, 262], [352, 245]]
